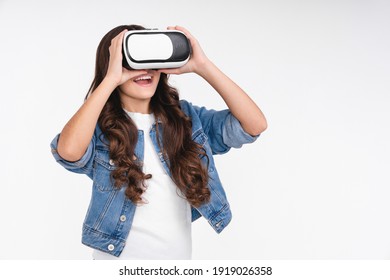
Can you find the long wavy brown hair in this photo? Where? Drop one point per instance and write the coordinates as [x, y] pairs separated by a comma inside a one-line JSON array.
[[183, 155]]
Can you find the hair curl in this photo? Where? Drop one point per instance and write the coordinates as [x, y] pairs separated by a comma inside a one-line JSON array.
[[183, 155]]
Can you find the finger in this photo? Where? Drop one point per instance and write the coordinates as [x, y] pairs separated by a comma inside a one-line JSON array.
[[120, 41], [119, 38], [170, 71], [130, 74], [181, 28], [185, 31], [134, 73], [122, 34]]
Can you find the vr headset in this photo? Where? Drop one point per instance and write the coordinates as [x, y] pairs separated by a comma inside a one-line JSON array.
[[155, 49]]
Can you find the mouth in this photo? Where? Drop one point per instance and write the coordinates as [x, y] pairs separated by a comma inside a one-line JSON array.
[[143, 80]]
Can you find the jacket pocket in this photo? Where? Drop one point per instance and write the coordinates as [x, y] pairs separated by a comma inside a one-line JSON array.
[[103, 167]]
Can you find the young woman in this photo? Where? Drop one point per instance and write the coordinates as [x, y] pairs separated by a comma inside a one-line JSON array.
[[150, 155]]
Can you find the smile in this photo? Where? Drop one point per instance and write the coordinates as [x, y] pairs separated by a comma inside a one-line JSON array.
[[143, 80]]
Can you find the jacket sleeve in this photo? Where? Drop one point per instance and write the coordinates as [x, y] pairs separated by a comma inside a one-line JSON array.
[[83, 165], [223, 130]]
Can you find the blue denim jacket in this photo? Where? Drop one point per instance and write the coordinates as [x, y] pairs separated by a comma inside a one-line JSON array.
[[110, 214]]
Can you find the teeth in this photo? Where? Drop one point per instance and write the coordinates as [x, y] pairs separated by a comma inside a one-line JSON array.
[[146, 77]]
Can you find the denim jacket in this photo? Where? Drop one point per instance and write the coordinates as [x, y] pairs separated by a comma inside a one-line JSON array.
[[110, 214]]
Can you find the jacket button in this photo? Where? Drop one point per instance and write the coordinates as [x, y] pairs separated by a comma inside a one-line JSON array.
[[111, 247], [123, 218], [111, 162]]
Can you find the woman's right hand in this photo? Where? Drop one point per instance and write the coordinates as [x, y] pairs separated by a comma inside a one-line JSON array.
[[78, 132], [116, 72]]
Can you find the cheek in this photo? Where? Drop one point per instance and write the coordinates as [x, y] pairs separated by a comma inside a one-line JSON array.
[[126, 86], [157, 79], [132, 89]]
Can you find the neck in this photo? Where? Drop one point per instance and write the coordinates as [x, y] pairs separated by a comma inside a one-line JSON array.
[[136, 105]]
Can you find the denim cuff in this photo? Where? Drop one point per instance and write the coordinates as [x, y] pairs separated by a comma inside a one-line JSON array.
[[233, 133], [70, 165]]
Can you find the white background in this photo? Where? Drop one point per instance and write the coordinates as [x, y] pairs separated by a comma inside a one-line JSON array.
[[314, 186]]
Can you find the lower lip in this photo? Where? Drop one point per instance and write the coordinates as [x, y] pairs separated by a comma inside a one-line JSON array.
[[144, 83]]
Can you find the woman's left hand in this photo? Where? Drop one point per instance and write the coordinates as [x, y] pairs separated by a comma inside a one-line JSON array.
[[198, 58], [240, 104]]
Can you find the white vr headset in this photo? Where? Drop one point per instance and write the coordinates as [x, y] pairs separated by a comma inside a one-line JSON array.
[[155, 49]]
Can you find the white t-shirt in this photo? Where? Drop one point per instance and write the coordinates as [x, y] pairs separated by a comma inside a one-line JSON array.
[[161, 228]]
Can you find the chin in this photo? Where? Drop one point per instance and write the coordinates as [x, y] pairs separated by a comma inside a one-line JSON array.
[[138, 93]]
